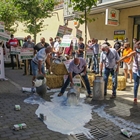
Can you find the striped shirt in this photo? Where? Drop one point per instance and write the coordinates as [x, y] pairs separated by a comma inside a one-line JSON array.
[[41, 55]]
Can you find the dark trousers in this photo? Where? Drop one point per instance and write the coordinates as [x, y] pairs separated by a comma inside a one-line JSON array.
[[85, 77], [12, 61], [25, 67]]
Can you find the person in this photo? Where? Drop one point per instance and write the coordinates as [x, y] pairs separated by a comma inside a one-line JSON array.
[[81, 46], [136, 68], [56, 48], [38, 62], [28, 44], [68, 51], [89, 46], [77, 66], [95, 48], [127, 63], [108, 58], [106, 42], [41, 44], [134, 43], [13, 42], [51, 42], [117, 46]]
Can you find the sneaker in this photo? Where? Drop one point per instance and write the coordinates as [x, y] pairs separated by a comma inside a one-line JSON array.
[[33, 89], [113, 97], [135, 101]]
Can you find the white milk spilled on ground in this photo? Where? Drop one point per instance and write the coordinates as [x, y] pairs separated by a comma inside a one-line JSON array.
[[128, 125], [62, 117]]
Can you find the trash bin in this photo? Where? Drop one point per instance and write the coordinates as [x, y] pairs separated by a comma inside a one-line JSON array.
[[98, 88], [42, 90]]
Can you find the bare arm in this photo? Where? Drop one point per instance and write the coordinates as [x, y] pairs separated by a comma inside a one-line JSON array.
[[70, 75], [127, 56]]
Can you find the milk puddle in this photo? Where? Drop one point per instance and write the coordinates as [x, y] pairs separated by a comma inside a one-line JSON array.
[[62, 117], [128, 125], [71, 119]]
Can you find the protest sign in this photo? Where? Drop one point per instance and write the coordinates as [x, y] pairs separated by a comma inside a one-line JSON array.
[[26, 53]]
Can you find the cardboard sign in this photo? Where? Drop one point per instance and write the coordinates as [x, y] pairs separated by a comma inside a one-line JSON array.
[[61, 31], [26, 53], [76, 81], [15, 50], [2, 72]]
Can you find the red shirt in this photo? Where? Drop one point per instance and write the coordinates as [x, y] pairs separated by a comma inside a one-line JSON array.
[[13, 42], [68, 50]]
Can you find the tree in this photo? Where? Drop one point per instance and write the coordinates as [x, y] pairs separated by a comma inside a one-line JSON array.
[[33, 13], [9, 15], [83, 8]]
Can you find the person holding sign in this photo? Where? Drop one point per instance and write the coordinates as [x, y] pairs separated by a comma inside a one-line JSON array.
[[38, 62], [81, 46], [56, 48], [28, 44], [13, 42], [77, 66]]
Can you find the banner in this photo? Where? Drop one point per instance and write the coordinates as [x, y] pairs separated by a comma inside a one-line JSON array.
[[78, 33], [112, 17], [2, 72], [26, 53], [15, 50]]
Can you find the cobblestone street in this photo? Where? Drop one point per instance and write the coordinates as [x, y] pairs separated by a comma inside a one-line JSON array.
[[121, 108]]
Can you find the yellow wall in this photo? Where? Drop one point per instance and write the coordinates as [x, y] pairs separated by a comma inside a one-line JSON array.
[[96, 29], [99, 30]]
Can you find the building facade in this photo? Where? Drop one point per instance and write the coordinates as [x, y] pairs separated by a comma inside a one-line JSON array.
[[113, 19]]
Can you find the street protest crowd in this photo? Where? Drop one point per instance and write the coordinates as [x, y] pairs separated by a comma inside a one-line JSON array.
[[104, 60]]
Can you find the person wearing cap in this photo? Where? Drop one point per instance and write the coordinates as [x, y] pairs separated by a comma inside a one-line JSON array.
[[77, 66], [108, 58]]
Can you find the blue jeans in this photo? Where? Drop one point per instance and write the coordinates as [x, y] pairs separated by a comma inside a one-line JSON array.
[[107, 72], [95, 63], [136, 84], [35, 68], [85, 77]]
